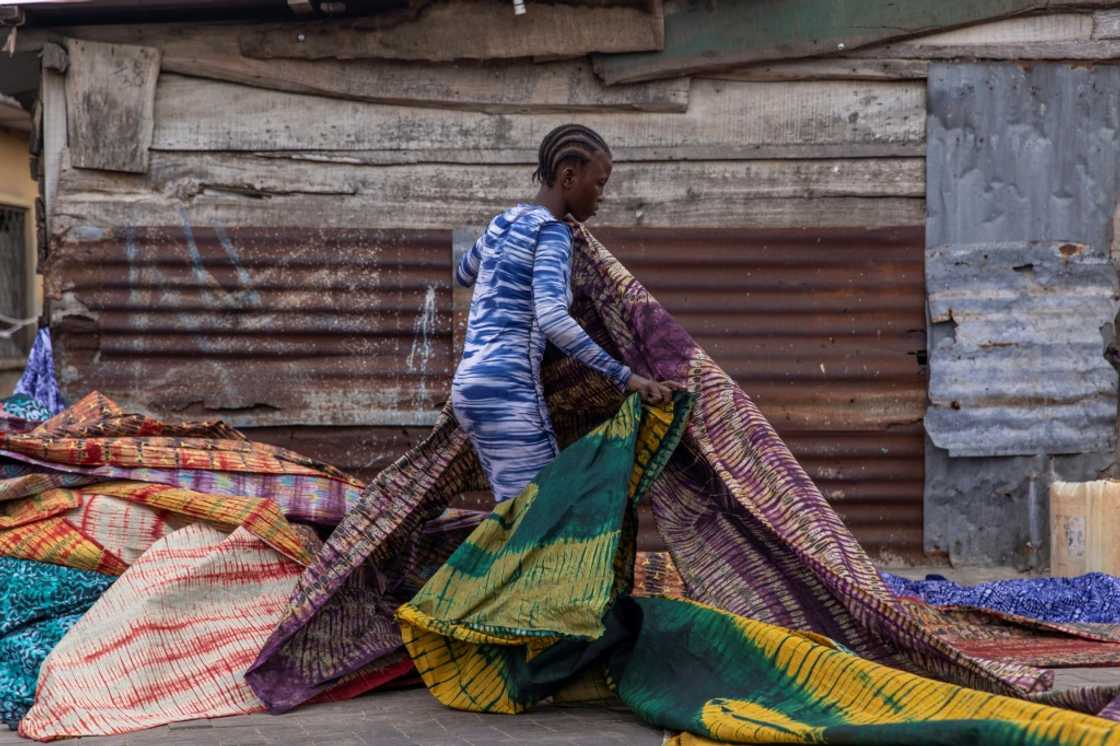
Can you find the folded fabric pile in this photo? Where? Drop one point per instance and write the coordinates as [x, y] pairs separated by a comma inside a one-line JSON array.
[[202, 516]]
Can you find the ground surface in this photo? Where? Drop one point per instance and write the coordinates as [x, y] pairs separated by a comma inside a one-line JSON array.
[[412, 718]]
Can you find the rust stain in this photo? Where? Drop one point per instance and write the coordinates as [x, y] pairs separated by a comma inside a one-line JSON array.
[[264, 327]]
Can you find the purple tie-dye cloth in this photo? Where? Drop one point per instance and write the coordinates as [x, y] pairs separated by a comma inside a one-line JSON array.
[[1092, 598]]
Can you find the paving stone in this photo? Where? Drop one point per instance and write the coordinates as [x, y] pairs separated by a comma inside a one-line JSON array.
[[193, 724]]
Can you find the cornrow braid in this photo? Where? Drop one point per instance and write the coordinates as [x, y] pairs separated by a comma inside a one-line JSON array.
[[566, 142]]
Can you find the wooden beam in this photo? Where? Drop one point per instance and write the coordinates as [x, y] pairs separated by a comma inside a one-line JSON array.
[[830, 68], [725, 120], [247, 190], [701, 37], [1065, 36], [1106, 24], [53, 97], [467, 29], [212, 51], [110, 94]]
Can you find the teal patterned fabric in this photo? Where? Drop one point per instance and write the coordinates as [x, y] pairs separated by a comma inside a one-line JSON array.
[[39, 603], [24, 407]]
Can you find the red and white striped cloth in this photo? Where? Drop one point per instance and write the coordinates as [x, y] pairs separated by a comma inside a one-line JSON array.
[[169, 641]]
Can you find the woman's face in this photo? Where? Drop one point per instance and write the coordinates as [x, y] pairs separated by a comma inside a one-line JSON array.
[[584, 185]]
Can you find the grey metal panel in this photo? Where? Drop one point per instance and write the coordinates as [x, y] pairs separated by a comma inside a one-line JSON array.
[[1022, 372], [1014, 154]]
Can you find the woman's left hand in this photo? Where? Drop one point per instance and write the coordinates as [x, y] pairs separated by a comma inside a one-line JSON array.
[[652, 392]]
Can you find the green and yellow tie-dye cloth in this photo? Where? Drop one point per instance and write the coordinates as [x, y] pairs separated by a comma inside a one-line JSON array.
[[538, 599]]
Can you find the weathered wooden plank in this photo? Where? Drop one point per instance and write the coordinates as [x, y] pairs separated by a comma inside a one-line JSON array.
[[110, 92], [1066, 36], [52, 94], [724, 120], [1043, 28], [711, 36], [1106, 24], [212, 51], [829, 68], [230, 190], [468, 29], [1040, 50]]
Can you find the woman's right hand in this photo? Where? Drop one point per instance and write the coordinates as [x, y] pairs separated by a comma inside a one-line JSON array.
[[652, 392]]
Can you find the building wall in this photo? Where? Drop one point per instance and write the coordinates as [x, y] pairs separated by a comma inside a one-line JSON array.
[[18, 189], [295, 217]]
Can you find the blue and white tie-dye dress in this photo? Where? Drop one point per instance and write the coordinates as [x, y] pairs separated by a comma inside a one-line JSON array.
[[521, 270]]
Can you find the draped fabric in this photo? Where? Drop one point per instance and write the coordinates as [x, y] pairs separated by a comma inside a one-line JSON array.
[[38, 381], [39, 603], [1093, 598], [747, 529], [538, 596], [96, 440], [106, 527], [169, 641]]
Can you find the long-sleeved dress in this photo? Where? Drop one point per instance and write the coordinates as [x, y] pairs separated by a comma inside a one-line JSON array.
[[521, 270]]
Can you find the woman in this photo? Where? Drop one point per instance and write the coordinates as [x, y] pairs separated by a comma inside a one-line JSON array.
[[521, 269]]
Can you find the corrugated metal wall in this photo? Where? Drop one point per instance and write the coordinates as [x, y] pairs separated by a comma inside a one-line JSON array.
[[825, 330], [282, 331], [1021, 153], [261, 327]]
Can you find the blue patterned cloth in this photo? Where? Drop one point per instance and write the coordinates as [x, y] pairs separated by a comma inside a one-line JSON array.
[[25, 408], [39, 603], [1089, 598], [38, 380], [521, 271]]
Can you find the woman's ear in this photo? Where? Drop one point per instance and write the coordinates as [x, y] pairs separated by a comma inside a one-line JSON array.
[[567, 177]]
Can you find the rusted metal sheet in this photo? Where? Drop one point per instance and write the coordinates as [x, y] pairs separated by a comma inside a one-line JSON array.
[[1023, 371], [359, 451], [825, 330], [273, 327], [1016, 154]]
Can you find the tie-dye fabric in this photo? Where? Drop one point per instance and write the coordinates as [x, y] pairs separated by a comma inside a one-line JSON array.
[[38, 380], [747, 529], [169, 641], [106, 527], [24, 407], [538, 596], [1093, 598], [39, 603], [521, 272], [96, 438]]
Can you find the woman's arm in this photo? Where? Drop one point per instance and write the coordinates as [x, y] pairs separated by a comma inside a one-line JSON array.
[[550, 301], [467, 270]]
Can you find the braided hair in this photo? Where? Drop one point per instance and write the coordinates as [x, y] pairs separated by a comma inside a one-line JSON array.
[[566, 142]]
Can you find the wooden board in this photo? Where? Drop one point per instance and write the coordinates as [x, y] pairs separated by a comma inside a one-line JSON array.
[[725, 120], [212, 51], [711, 36], [52, 95], [110, 93], [1106, 24], [246, 190], [467, 29], [827, 68]]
